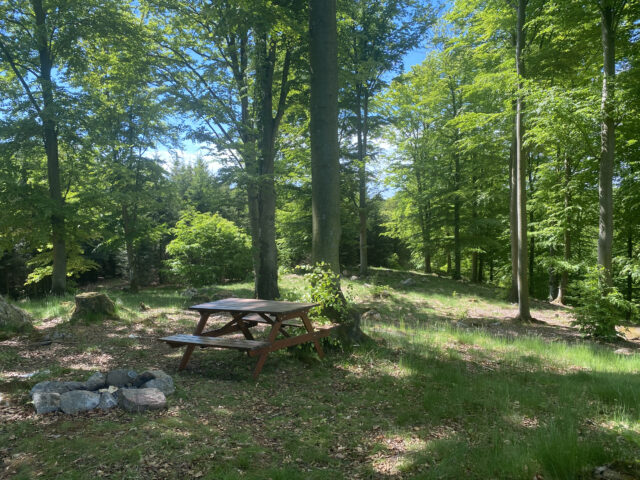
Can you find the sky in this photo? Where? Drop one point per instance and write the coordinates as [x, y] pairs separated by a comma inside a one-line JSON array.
[[189, 151]]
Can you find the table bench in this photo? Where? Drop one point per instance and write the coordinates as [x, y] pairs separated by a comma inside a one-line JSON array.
[[246, 314]]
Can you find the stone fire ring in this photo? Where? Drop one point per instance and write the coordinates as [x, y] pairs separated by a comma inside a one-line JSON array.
[[127, 389]]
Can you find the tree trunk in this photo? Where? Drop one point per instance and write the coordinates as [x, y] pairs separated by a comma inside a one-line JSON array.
[[424, 212], [553, 278], [132, 268], [266, 281], [481, 268], [363, 113], [564, 275], [474, 267], [513, 219], [629, 277], [325, 165], [608, 142], [521, 175], [50, 138], [457, 256], [448, 262]]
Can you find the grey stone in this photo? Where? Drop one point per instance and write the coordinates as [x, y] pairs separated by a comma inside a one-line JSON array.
[[142, 399], [46, 402], [121, 377], [75, 386], [13, 320], [107, 401], [143, 378], [165, 385], [96, 381], [56, 387], [407, 281], [78, 401]]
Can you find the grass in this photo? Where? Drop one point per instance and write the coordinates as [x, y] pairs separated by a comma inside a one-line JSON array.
[[448, 388]]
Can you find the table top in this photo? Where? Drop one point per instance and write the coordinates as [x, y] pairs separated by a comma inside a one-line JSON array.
[[250, 305]]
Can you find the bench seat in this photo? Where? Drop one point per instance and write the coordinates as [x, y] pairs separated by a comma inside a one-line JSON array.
[[200, 341]]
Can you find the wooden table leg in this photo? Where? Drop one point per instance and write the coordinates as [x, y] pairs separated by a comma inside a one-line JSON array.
[[263, 356], [187, 354], [309, 327]]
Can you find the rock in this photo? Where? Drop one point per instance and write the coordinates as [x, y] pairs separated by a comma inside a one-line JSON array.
[[165, 385], [79, 401], [107, 401], [371, 316], [13, 320], [142, 399], [354, 277], [91, 306], [605, 472], [46, 402], [143, 307], [121, 377], [407, 281], [143, 378], [56, 387], [96, 381], [623, 351]]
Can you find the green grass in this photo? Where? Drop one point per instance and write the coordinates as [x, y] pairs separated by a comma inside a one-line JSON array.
[[425, 399]]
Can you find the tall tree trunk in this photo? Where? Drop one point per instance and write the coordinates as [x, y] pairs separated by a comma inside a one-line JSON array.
[[448, 262], [521, 174], [629, 277], [325, 166], [553, 278], [132, 268], [363, 113], [481, 268], [50, 138], [424, 211], [564, 275], [266, 281], [474, 267], [457, 256], [608, 141], [513, 218]]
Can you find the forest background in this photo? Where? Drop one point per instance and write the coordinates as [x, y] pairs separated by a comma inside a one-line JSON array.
[[509, 156]]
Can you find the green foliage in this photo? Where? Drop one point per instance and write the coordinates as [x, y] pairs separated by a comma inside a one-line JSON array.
[[601, 307], [208, 249], [324, 288]]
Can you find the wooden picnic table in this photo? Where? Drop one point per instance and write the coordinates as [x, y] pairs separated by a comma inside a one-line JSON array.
[[246, 313]]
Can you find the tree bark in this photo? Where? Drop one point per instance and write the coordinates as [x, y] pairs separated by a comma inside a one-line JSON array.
[[608, 142], [50, 139], [564, 275], [513, 219], [362, 117], [474, 267], [521, 175], [325, 165], [424, 212], [266, 273]]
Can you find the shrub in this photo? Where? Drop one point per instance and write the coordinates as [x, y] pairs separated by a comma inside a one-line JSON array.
[[207, 249], [601, 307], [323, 289]]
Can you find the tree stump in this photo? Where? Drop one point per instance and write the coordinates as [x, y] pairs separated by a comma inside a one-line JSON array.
[[13, 320], [93, 306]]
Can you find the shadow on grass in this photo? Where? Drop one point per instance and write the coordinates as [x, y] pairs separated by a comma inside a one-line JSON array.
[[439, 416]]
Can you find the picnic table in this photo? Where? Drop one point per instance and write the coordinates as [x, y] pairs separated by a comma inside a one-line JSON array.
[[283, 317]]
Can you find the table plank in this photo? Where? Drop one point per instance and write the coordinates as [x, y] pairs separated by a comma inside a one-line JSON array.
[[250, 305], [233, 343]]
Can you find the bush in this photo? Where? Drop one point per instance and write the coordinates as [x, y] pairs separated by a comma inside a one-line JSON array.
[[601, 307], [208, 249], [322, 289]]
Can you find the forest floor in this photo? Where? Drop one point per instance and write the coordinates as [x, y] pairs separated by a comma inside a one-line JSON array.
[[449, 387]]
